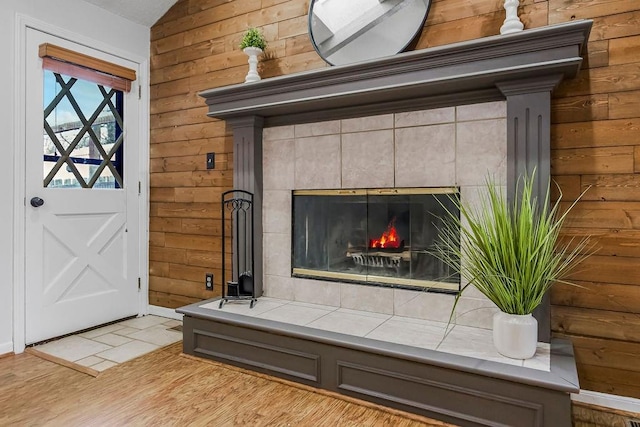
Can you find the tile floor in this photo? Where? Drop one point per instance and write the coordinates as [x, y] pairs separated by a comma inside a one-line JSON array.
[[462, 340], [110, 345]]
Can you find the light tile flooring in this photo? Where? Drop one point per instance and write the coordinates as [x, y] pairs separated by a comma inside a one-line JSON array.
[[462, 340], [110, 345]]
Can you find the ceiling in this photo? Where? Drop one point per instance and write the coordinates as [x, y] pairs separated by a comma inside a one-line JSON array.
[[145, 12]]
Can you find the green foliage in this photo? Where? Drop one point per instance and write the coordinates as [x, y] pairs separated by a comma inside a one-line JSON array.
[[509, 253], [253, 38]]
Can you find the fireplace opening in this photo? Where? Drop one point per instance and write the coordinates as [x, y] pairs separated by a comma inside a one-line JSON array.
[[378, 237]]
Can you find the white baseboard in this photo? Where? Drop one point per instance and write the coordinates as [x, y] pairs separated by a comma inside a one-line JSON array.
[[613, 401], [6, 347], [164, 312]]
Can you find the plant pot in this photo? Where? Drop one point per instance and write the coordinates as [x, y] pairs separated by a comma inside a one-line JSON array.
[[252, 53], [514, 335]]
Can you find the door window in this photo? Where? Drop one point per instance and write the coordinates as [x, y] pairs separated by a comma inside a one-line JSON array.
[[83, 138]]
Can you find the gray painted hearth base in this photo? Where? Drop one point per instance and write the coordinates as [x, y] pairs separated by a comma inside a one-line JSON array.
[[456, 389]]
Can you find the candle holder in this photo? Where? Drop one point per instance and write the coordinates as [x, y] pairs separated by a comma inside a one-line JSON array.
[[512, 23]]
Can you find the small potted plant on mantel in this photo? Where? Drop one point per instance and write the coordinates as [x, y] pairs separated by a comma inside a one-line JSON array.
[[512, 255], [253, 44]]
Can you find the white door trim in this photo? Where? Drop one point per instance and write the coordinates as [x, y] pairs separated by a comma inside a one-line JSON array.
[[23, 22]]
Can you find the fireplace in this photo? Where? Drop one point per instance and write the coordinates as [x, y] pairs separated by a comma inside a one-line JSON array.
[[380, 237], [440, 117]]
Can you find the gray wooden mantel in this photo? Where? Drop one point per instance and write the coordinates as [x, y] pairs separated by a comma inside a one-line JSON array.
[[522, 68]]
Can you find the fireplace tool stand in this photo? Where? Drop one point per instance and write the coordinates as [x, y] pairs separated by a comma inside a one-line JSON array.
[[237, 210]]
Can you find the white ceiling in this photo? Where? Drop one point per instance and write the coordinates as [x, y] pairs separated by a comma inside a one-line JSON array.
[[145, 12]]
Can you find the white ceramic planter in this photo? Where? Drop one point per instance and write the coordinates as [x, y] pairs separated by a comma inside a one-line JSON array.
[[514, 335], [252, 53]]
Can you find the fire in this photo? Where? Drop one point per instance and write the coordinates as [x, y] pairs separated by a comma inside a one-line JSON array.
[[389, 238]]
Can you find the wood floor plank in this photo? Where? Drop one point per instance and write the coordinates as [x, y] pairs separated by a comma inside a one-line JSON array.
[[166, 388]]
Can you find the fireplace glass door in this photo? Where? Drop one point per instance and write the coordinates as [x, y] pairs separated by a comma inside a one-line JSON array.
[[377, 237]]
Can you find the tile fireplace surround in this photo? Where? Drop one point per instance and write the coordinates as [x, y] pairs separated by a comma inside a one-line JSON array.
[[443, 147], [446, 116]]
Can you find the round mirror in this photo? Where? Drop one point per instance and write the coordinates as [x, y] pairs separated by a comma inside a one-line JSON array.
[[347, 31]]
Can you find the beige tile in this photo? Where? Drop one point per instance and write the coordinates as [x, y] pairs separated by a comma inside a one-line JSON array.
[[485, 110], [277, 133], [89, 361], [278, 164], [73, 348], [127, 351], [317, 292], [101, 331], [425, 117], [384, 121], [405, 331], [277, 254], [541, 360], [143, 322], [317, 164], [276, 211], [425, 156], [347, 323], [367, 298], [481, 149], [365, 313], [317, 306], [279, 287], [476, 312], [104, 365], [294, 314], [317, 129], [158, 335], [367, 159], [423, 305], [126, 331], [172, 323], [112, 339]]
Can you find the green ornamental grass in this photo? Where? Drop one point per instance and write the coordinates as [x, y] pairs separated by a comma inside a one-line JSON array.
[[510, 253]]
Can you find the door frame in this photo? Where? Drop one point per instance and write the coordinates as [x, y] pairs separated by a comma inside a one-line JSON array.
[[22, 22]]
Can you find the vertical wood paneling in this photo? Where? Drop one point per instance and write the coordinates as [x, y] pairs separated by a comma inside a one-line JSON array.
[[595, 142]]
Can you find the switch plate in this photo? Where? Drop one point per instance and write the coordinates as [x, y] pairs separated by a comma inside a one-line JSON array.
[[211, 160], [208, 281]]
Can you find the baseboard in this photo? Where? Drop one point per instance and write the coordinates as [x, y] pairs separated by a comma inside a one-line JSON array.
[[170, 313], [6, 347], [622, 403]]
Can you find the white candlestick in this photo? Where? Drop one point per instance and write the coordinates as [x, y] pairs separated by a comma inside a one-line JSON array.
[[252, 75], [512, 23]]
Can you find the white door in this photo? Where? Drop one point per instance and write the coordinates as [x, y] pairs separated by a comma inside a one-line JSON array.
[[81, 237]]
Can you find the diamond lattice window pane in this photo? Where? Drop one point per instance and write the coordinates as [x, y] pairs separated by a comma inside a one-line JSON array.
[[82, 134]]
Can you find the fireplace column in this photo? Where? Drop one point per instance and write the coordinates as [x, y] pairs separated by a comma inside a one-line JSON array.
[[529, 148], [247, 175]]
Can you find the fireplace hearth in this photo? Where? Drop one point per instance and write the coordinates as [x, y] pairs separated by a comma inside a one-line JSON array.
[[380, 237]]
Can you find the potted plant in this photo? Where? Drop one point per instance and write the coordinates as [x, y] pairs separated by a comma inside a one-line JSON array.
[[511, 253], [253, 44]]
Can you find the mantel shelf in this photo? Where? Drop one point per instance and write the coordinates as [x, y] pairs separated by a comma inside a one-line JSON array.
[[460, 73]]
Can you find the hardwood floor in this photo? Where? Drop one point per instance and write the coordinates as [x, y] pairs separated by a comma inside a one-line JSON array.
[[165, 388]]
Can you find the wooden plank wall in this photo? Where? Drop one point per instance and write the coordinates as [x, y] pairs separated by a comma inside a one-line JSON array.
[[595, 142]]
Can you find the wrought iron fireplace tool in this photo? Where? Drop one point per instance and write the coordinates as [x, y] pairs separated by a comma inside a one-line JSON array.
[[237, 210]]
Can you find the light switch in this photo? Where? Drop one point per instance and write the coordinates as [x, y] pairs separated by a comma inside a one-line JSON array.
[[211, 160]]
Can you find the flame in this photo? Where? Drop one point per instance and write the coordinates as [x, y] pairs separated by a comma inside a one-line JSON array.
[[389, 238]]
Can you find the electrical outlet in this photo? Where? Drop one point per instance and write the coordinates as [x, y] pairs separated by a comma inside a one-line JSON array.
[[208, 281]]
